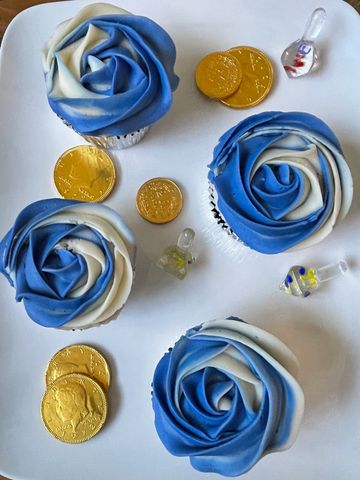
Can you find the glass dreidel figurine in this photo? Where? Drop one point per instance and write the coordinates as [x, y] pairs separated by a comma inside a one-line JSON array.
[[176, 259], [301, 56], [302, 281]]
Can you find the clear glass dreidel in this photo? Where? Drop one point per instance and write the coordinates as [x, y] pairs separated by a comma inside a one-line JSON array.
[[301, 281], [176, 259], [301, 56]]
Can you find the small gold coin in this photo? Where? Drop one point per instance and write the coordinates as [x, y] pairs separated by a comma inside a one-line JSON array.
[[218, 75], [159, 200], [257, 77], [85, 173], [74, 408], [79, 359]]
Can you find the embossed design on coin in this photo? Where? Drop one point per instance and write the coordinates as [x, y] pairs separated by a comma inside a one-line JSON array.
[[74, 408], [85, 173], [257, 77], [218, 75], [159, 200], [79, 359]]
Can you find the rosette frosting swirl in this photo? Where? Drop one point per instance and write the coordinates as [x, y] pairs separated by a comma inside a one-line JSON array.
[[225, 395], [109, 72], [71, 263], [281, 180]]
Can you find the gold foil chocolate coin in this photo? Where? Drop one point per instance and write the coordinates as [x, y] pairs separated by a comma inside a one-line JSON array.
[[79, 359], [74, 408], [159, 200], [218, 75], [257, 77], [85, 173]]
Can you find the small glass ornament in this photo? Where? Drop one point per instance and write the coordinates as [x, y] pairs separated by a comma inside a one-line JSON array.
[[301, 281], [176, 259], [301, 56]]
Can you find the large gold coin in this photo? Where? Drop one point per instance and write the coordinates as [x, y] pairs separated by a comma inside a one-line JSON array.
[[74, 408], [85, 173], [257, 77], [218, 75], [79, 359], [159, 200]]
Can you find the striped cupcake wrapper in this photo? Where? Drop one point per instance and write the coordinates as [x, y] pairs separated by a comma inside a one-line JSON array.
[[113, 142]]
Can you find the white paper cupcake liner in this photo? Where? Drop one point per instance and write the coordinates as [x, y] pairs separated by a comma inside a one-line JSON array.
[[113, 142]]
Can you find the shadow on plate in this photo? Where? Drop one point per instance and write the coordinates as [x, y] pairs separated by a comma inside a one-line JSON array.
[[326, 361]]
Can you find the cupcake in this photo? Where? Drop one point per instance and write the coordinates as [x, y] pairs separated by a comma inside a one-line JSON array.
[[71, 263], [226, 395], [279, 181], [110, 74]]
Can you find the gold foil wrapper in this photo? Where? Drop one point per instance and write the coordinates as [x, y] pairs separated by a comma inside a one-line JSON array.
[[85, 173], [218, 75], [257, 77], [74, 408], [159, 200], [81, 359]]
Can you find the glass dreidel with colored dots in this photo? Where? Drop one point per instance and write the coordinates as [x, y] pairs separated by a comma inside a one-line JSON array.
[[302, 281], [176, 259]]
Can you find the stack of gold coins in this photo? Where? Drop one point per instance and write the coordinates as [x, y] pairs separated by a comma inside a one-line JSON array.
[[241, 77], [74, 406]]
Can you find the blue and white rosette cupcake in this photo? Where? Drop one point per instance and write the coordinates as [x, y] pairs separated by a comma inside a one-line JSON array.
[[110, 74], [226, 395], [71, 263], [279, 181]]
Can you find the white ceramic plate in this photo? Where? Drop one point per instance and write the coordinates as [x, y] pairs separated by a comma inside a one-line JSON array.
[[323, 331]]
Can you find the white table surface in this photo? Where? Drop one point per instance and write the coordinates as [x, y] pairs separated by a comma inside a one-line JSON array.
[[323, 331]]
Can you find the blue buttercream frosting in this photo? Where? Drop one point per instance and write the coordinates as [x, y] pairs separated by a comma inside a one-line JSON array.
[[110, 74], [226, 395], [281, 180], [63, 258]]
